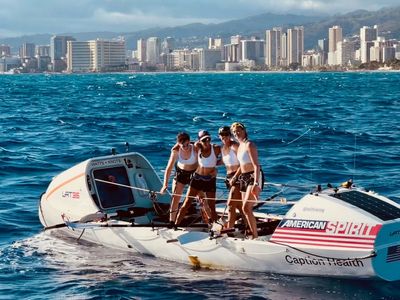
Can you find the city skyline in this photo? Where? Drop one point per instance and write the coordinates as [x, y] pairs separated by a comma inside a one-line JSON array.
[[20, 17]]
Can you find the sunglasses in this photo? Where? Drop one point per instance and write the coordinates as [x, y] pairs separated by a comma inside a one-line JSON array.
[[206, 140]]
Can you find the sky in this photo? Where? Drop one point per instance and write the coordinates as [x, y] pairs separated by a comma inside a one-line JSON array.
[[26, 17]]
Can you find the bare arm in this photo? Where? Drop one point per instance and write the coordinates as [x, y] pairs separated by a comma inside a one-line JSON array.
[[253, 154], [172, 159]]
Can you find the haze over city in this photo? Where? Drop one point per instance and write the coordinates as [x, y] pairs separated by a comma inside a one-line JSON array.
[[24, 17]]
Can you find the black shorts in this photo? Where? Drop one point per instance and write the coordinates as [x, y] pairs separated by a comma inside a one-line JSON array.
[[228, 180], [247, 179], [183, 176], [204, 183]]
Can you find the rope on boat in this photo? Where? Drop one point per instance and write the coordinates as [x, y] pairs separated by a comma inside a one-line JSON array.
[[283, 201], [373, 253]]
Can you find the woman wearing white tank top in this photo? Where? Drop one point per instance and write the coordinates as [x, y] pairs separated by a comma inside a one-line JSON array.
[[184, 157], [229, 158], [204, 178], [249, 174]]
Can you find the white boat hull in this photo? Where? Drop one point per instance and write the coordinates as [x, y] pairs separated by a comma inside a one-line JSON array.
[[197, 249], [341, 232]]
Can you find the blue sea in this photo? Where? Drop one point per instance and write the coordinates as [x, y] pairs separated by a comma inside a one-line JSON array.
[[310, 128]]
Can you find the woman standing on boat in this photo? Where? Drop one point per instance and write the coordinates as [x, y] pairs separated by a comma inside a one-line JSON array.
[[184, 157], [204, 179], [249, 174], [229, 158]]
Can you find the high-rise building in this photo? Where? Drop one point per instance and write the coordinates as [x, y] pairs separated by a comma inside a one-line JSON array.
[[41, 50], [168, 45], [96, 56], [388, 53], [234, 49], [58, 46], [27, 50], [153, 50], [284, 51], [231, 53], [323, 48], [253, 50], [208, 59], [141, 50], [335, 36], [58, 51], [273, 44], [5, 50], [345, 53], [367, 36], [215, 43], [295, 44]]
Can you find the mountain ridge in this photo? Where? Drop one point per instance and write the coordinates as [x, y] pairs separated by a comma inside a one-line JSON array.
[[196, 34]]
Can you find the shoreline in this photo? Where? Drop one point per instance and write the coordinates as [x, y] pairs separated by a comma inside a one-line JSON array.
[[207, 72]]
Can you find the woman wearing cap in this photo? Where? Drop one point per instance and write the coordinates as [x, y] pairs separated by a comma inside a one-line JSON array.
[[204, 178], [184, 157], [229, 158], [249, 174]]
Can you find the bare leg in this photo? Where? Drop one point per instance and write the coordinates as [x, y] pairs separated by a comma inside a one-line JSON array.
[[234, 203], [191, 193], [177, 189], [211, 204], [248, 204]]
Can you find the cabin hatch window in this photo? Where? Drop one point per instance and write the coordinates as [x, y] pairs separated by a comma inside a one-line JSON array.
[[111, 195]]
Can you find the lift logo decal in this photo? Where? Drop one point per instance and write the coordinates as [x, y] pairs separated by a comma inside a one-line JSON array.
[[70, 195]]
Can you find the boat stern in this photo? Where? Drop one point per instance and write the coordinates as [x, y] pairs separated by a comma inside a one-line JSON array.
[[386, 263]]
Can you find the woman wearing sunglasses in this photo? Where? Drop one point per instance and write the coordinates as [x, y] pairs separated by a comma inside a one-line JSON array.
[[229, 158], [250, 174], [184, 157], [204, 178]]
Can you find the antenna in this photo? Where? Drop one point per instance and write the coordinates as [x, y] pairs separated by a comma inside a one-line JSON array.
[[126, 146], [309, 139], [354, 155]]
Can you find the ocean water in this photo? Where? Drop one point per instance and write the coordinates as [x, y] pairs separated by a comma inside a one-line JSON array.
[[310, 128]]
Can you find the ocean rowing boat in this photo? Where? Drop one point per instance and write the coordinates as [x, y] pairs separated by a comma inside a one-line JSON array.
[[341, 232]]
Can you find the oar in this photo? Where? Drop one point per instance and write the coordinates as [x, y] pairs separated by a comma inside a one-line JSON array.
[[77, 225]]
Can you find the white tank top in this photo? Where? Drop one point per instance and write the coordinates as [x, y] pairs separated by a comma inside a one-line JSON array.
[[208, 162], [243, 157], [230, 159], [190, 161]]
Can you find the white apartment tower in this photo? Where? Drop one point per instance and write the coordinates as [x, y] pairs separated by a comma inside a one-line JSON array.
[[335, 36], [214, 43], [367, 36], [141, 50], [284, 61], [345, 53], [153, 50], [295, 45], [95, 56], [273, 44]]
